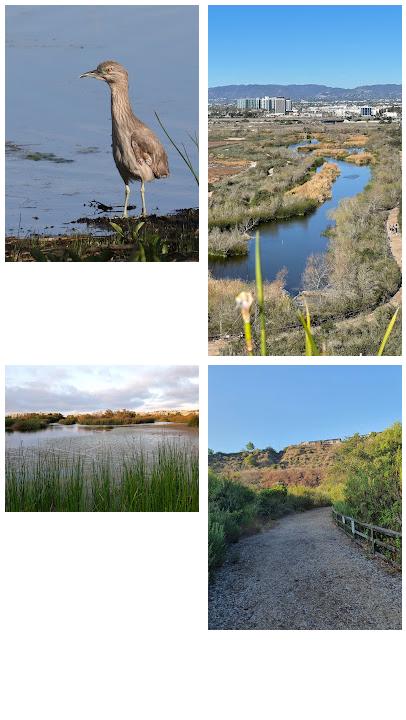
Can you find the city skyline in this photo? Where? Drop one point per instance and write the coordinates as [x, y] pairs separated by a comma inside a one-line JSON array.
[[284, 35], [283, 405], [70, 389]]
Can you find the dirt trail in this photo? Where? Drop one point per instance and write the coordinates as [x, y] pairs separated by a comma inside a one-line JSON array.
[[395, 244], [303, 574]]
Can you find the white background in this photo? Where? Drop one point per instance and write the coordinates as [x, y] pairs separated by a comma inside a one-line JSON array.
[[105, 616]]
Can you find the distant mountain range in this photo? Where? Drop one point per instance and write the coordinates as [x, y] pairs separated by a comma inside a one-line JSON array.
[[227, 93]]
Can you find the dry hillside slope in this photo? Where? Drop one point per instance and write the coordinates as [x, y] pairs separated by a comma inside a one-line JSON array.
[[304, 464]]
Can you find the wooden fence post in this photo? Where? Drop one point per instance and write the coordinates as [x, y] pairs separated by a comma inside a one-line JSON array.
[[353, 528], [372, 541]]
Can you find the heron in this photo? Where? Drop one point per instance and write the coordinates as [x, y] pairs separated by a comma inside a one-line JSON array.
[[137, 152]]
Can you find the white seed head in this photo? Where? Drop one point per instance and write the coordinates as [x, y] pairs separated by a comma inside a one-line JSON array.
[[244, 301]]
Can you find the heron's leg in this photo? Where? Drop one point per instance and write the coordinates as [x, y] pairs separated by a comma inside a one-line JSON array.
[[144, 209], [127, 195]]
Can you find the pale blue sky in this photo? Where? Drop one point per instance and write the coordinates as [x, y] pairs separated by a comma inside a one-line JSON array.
[[337, 45], [274, 405]]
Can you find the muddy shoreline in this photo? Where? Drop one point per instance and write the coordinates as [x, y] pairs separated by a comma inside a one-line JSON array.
[[175, 235]]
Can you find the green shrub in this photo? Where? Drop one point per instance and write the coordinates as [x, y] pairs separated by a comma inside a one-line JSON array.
[[68, 420], [370, 468], [232, 511], [228, 495], [217, 545], [271, 501], [29, 424]]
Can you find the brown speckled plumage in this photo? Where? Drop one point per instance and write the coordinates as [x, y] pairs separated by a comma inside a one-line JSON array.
[[137, 152]]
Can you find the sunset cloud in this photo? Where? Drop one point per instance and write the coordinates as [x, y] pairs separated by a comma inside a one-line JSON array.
[[85, 388]]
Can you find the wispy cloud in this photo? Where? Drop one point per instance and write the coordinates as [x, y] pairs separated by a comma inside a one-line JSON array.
[[86, 388]]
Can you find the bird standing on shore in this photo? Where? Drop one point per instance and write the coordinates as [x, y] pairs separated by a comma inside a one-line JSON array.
[[137, 152]]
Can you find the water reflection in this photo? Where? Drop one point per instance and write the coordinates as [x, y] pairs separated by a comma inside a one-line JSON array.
[[91, 443]]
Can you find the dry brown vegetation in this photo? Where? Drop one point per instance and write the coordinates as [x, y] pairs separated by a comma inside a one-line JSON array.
[[226, 168], [356, 140], [296, 465], [360, 158], [319, 186], [325, 149], [270, 477]]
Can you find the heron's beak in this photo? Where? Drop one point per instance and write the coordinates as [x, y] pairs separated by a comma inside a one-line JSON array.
[[92, 73]]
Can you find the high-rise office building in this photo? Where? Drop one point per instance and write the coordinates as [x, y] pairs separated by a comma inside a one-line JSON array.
[[279, 105], [248, 103], [276, 105]]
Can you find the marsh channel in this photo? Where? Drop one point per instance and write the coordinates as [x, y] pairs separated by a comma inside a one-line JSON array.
[[289, 243]]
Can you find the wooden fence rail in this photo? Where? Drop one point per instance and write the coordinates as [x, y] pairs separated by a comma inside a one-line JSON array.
[[374, 536]]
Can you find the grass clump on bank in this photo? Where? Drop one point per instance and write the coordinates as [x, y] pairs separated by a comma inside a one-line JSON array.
[[167, 481], [227, 243], [29, 422], [236, 510]]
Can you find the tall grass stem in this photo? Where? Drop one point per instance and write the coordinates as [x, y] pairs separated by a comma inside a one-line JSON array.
[[260, 294]]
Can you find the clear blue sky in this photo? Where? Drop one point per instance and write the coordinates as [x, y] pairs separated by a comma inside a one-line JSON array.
[[338, 45], [274, 405]]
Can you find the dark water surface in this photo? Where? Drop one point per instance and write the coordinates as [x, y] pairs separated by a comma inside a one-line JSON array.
[[58, 127], [92, 443], [290, 242]]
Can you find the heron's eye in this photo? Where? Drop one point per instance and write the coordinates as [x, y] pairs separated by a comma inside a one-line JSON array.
[[108, 69]]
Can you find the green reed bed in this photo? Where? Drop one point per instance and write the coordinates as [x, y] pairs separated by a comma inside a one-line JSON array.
[[166, 481]]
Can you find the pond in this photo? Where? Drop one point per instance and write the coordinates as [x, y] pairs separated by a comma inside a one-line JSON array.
[[58, 127], [288, 244], [92, 443]]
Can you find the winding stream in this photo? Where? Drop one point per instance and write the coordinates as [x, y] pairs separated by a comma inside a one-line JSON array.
[[288, 243]]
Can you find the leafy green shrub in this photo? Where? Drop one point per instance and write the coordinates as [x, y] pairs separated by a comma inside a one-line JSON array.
[[29, 424], [232, 511], [68, 420], [217, 545], [370, 468], [271, 501], [228, 495]]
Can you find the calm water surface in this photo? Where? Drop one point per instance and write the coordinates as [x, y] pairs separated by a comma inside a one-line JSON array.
[[288, 244], [49, 110], [90, 443]]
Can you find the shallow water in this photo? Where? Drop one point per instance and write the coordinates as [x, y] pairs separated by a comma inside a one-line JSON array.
[[288, 244], [58, 127], [72, 441]]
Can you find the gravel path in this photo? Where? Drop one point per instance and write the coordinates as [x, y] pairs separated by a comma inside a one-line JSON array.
[[303, 574]]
